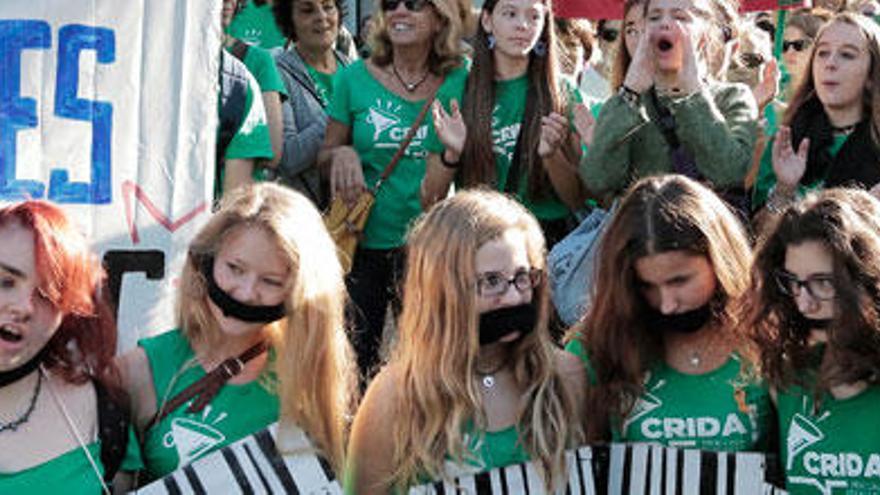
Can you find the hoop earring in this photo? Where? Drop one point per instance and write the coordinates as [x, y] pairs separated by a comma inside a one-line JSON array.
[[490, 41], [540, 49]]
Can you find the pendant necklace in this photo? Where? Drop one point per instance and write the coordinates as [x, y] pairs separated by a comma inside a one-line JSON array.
[[488, 378], [410, 87], [14, 424], [695, 359]]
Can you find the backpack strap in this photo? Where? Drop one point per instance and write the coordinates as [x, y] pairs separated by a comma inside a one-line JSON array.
[[114, 419]]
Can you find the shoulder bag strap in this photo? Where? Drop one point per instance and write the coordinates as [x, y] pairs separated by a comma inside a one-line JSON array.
[[209, 385], [410, 134]]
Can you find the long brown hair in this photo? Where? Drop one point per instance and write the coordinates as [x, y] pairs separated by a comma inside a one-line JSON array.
[[871, 100], [439, 344], [657, 215], [544, 95], [846, 222]]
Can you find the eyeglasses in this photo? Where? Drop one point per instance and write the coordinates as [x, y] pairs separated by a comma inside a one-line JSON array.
[[492, 284], [798, 45], [411, 5], [751, 60], [609, 35], [819, 287]]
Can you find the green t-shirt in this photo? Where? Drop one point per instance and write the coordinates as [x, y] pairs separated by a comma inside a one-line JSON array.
[[493, 449], [180, 438], [323, 85], [261, 64], [722, 410], [379, 121], [507, 117], [767, 177], [251, 140], [256, 25], [834, 450], [70, 473]]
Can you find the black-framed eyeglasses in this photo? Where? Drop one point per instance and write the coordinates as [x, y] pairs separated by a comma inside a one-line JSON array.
[[819, 287], [492, 284], [798, 45], [609, 35], [411, 5], [751, 60]]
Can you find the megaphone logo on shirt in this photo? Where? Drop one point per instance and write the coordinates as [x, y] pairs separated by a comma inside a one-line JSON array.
[[191, 439], [801, 434], [381, 120]]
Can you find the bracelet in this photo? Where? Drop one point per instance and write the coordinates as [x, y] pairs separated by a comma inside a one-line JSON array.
[[778, 202], [453, 165]]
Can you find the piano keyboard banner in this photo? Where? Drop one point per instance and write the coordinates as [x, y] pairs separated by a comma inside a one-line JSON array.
[[254, 466]]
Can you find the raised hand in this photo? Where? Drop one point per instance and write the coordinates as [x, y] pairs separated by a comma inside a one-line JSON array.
[[768, 87], [640, 73], [689, 80], [450, 127], [346, 174], [554, 130], [584, 122], [788, 165]]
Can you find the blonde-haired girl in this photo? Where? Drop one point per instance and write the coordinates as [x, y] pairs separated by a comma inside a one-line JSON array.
[[261, 279], [475, 378]]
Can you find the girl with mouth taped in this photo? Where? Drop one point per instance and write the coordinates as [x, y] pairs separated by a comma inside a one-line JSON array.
[[261, 285], [813, 305], [475, 378], [58, 383], [671, 114], [662, 342]]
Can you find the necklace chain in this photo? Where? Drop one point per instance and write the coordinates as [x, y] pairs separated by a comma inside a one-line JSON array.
[[13, 425], [410, 87]]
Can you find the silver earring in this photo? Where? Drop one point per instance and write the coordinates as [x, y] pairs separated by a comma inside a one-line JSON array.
[[540, 49], [490, 41]]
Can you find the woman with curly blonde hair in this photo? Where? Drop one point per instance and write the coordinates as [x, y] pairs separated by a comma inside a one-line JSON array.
[[417, 53], [261, 286], [475, 378]]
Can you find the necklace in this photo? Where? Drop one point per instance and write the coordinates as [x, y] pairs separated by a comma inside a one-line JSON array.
[[847, 129], [487, 378], [410, 87], [13, 425], [694, 359]]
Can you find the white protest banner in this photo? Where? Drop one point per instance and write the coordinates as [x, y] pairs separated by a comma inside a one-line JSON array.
[[109, 108]]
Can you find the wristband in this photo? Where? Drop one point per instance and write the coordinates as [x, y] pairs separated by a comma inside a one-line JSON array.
[[453, 165]]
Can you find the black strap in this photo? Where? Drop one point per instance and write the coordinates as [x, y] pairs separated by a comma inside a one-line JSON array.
[[204, 389], [683, 161], [113, 425], [239, 49]]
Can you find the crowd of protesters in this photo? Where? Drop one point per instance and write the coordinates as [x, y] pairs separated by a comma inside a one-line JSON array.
[[734, 304]]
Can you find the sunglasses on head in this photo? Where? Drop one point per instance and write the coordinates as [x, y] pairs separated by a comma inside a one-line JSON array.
[[411, 5], [609, 35], [798, 45]]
